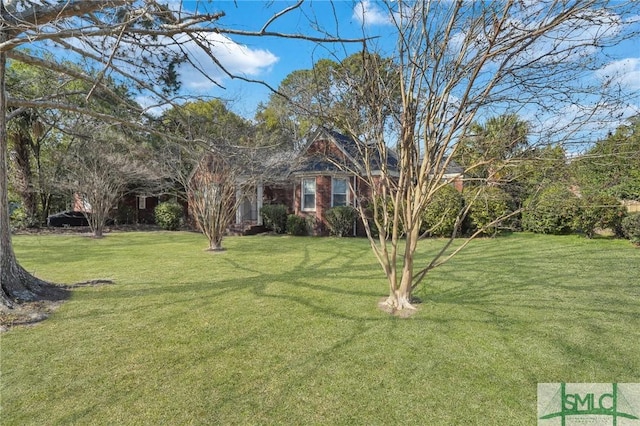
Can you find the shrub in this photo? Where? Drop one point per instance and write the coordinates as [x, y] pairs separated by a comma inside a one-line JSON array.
[[599, 211], [126, 215], [168, 215], [18, 217], [274, 217], [631, 227], [340, 220], [490, 204], [441, 214], [387, 209], [297, 225], [553, 211]]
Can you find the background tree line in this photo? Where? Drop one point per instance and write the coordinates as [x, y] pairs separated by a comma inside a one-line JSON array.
[[449, 94], [56, 154]]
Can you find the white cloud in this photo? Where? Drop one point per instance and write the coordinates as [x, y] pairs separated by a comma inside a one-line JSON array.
[[625, 72], [369, 13], [237, 59], [151, 106]]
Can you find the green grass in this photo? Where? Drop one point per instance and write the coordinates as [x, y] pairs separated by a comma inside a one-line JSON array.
[[284, 330]]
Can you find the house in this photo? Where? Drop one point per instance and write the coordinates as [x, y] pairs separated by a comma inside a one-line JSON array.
[[132, 208], [327, 172]]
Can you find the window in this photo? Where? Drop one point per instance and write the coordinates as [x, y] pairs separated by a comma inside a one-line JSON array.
[[308, 194], [142, 202], [339, 192]]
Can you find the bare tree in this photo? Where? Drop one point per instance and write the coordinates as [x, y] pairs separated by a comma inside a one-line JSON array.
[[140, 43], [462, 62], [215, 175], [212, 198], [208, 170], [101, 168]]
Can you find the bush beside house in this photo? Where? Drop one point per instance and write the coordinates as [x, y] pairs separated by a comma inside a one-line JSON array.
[[297, 225], [168, 215], [341, 220], [274, 217]]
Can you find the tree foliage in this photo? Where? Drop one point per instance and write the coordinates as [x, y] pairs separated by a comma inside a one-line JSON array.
[[487, 153], [208, 121], [305, 98], [612, 165], [33, 143]]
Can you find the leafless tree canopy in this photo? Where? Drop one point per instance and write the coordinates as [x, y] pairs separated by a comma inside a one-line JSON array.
[[102, 167], [460, 63]]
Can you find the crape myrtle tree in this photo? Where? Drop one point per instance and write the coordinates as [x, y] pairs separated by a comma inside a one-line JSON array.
[[225, 157], [213, 175], [139, 44], [102, 165], [459, 63], [211, 193]]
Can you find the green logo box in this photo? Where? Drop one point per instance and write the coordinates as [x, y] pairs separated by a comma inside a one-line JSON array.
[[568, 404]]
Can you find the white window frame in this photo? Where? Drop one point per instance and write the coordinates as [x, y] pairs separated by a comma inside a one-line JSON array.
[[142, 202], [303, 206], [334, 193]]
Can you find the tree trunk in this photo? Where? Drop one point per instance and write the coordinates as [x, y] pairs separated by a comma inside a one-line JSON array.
[[215, 245], [24, 175], [16, 284], [400, 296]]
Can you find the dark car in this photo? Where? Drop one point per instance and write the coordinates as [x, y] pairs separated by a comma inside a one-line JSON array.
[[69, 218]]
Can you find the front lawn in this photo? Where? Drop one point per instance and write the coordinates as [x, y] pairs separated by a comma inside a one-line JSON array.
[[286, 330]]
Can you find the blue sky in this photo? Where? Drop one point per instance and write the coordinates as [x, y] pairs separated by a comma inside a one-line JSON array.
[[272, 59]]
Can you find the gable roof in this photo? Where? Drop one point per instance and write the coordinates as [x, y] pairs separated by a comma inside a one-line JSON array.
[[353, 155], [277, 166]]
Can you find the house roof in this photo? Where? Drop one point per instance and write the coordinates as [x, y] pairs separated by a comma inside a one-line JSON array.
[[279, 165], [354, 155]]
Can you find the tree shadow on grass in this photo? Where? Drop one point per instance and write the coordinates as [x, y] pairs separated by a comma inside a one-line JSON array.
[[542, 301], [301, 283]]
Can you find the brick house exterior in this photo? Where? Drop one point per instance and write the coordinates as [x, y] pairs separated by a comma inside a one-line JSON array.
[[325, 173]]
